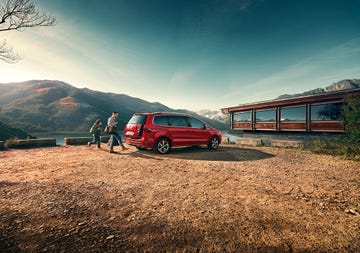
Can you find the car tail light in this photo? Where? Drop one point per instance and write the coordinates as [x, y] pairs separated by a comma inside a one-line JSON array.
[[129, 133]]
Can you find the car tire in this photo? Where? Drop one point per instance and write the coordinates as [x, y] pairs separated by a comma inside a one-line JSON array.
[[162, 146], [214, 143]]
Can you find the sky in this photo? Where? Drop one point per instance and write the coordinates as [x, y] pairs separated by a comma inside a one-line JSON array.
[[191, 54]]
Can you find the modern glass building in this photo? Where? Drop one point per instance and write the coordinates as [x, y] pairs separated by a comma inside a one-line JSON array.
[[310, 113]]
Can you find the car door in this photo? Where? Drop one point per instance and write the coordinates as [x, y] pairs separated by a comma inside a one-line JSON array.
[[179, 131], [198, 132]]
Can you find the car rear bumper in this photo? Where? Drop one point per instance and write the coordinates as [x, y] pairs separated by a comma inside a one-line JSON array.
[[141, 143]]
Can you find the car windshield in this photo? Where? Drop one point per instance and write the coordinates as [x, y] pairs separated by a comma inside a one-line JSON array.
[[137, 119]]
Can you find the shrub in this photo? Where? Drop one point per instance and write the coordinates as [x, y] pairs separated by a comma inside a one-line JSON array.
[[349, 145], [351, 117], [337, 146], [12, 143]]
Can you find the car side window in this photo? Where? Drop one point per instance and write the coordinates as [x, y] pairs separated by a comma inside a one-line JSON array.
[[161, 120], [178, 121], [196, 123]]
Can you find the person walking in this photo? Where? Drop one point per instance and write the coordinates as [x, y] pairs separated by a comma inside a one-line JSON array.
[[112, 124], [95, 130]]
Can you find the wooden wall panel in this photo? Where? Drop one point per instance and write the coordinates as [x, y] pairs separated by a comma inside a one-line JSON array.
[[265, 126], [293, 126], [242, 125], [326, 126]]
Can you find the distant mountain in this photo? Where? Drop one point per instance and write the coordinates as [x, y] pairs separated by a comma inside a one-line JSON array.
[[214, 114], [341, 85], [58, 106]]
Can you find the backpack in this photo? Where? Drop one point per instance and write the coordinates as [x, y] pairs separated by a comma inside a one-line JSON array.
[[93, 129]]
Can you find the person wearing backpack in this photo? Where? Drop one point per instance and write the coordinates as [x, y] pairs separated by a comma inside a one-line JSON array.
[[95, 130], [112, 125]]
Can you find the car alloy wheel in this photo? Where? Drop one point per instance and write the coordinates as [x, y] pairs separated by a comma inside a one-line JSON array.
[[214, 143], [162, 146]]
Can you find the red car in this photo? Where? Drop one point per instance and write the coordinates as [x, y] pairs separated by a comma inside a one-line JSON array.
[[162, 130]]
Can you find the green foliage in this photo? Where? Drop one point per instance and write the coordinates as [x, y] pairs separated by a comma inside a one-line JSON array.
[[349, 144], [8, 132], [337, 146], [351, 117]]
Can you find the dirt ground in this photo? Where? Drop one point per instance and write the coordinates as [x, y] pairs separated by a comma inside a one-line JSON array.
[[81, 199]]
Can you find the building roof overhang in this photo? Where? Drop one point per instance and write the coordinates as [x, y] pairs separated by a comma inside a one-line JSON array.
[[304, 99]]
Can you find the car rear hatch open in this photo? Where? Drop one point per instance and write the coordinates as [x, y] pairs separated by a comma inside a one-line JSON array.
[[135, 126]]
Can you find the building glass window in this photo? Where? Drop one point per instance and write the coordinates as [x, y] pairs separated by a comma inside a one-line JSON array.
[[266, 115], [331, 111], [293, 113], [242, 116]]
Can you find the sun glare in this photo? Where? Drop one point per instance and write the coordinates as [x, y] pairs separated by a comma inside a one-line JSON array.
[[9, 75]]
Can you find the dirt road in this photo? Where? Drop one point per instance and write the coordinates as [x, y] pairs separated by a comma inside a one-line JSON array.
[[81, 199]]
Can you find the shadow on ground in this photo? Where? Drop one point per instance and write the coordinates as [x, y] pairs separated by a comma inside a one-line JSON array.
[[234, 154]]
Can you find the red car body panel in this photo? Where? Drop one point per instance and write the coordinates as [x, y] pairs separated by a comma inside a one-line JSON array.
[[142, 132]]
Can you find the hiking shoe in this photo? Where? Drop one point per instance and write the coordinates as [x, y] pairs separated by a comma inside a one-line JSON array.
[[89, 143]]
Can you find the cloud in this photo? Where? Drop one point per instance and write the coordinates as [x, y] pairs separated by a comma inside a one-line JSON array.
[[72, 53], [184, 77], [334, 64], [245, 5]]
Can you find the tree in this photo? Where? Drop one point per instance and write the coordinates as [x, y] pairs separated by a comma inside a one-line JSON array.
[[351, 117], [7, 53], [18, 15], [347, 145]]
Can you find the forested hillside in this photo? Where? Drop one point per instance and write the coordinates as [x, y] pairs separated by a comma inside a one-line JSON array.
[[57, 106]]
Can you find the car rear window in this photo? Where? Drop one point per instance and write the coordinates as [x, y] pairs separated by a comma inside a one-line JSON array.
[[138, 119]]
